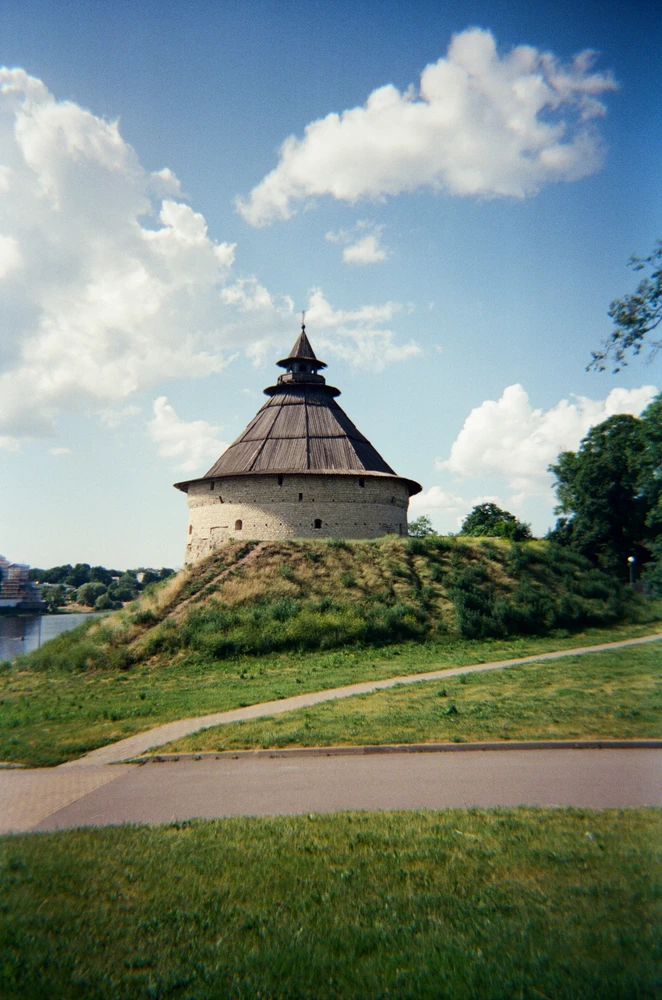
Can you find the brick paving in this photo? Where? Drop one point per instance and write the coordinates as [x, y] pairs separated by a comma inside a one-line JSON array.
[[28, 796]]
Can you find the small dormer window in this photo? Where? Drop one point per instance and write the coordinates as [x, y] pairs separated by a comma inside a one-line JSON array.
[[361, 482], [280, 480]]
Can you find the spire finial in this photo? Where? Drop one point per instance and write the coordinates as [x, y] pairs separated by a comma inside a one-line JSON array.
[[303, 321]]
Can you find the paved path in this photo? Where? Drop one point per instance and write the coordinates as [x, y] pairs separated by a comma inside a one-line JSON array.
[[134, 746], [246, 785], [31, 799]]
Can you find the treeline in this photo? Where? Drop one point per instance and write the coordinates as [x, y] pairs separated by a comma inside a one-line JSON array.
[[610, 496], [94, 586]]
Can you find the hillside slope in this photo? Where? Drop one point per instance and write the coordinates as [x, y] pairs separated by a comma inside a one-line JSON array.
[[258, 597]]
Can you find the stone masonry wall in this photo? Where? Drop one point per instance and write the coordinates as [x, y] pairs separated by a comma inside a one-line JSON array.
[[289, 506]]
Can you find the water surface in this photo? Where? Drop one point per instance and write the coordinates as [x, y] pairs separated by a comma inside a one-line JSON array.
[[23, 633]]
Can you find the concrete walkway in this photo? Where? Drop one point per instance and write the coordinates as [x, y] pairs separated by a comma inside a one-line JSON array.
[[134, 746], [260, 786]]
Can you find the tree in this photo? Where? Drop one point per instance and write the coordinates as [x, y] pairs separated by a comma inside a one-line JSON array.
[[54, 594], [106, 603], [79, 575], [88, 593], [610, 493], [487, 520], [635, 316], [99, 574], [421, 527]]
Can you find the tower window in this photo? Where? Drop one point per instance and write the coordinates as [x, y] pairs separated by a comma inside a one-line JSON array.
[[211, 486], [280, 480], [361, 482], [238, 525], [190, 529], [317, 523], [300, 497]]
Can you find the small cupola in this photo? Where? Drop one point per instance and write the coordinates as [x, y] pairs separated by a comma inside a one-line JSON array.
[[301, 364]]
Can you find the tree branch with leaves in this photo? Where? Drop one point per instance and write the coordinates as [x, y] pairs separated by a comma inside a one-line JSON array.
[[635, 317]]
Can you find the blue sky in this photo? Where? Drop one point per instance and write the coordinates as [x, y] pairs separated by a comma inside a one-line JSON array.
[[456, 244]]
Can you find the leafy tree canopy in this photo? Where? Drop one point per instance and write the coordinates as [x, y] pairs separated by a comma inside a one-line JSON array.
[[487, 520], [421, 527], [88, 592], [635, 316], [610, 492]]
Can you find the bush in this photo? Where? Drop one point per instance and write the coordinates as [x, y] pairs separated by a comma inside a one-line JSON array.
[[88, 593], [337, 543], [106, 603]]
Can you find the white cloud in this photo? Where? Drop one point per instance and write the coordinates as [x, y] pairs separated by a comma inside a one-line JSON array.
[[361, 249], [191, 444], [59, 451], [358, 336], [10, 255], [510, 438], [109, 281], [446, 509], [365, 251], [480, 124], [113, 417]]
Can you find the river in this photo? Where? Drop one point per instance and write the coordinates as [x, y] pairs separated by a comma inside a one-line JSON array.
[[22, 633]]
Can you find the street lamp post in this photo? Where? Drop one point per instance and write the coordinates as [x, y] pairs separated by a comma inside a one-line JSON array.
[[631, 563]]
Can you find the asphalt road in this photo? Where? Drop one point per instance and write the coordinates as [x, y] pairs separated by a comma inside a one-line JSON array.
[[258, 786]]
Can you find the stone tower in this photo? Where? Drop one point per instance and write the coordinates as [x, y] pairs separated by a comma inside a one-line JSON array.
[[301, 469]]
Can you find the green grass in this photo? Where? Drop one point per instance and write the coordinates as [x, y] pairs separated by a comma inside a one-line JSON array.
[[50, 715], [609, 695], [496, 905], [262, 597]]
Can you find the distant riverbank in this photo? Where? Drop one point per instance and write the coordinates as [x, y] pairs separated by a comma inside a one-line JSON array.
[[23, 633]]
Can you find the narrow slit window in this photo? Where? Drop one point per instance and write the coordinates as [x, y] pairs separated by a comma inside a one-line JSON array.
[[317, 523], [300, 497], [190, 529], [361, 482], [280, 480], [238, 525], [211, 486]]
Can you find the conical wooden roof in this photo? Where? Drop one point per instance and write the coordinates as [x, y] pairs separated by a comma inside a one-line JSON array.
[[301, 429]]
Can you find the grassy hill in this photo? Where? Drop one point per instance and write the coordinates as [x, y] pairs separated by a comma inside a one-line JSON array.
[[262, 597], [268, 620]]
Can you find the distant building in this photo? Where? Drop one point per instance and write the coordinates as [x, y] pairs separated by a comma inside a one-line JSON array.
[[301, 469], [17, 592]]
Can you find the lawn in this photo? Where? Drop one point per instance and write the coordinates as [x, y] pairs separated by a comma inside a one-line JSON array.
[[616, 694], [496, 905], [51, 715]]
